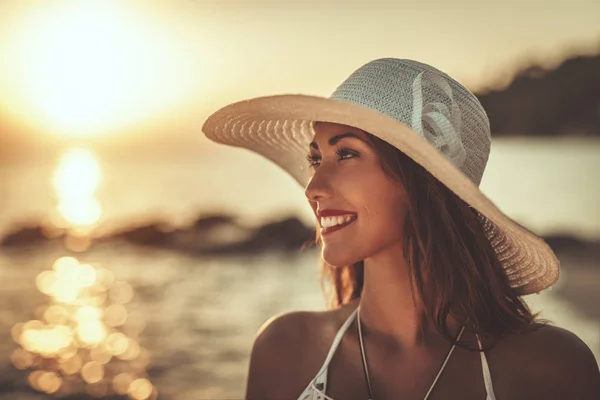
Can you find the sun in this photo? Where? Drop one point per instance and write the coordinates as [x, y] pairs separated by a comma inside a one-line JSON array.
[[91, 67]]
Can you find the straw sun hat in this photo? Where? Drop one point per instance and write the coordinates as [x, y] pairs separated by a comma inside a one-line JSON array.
[[416, 108]]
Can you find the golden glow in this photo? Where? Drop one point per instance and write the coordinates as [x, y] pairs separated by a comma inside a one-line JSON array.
[[100, 354], [91, 67], [15, 331], [115, 315], [105, 278], [78, 241], [56, 314], [78, 335], [117, 343], [140, 389], [71, 365], [47, 341], [76, 180], [34, 379], [21, 358], [68, 352], [87, 275], [45, 281], [49, 382], [91, 332], [66, 281], [33, 324], [92, 372], [133, 350], [121, 292], [121, 383], [65, 264], [88, 314]]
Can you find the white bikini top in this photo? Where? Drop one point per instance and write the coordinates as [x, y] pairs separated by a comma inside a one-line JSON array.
[[317, 388]]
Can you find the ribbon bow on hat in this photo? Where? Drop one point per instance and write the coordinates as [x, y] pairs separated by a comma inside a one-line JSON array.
[[445, 123]]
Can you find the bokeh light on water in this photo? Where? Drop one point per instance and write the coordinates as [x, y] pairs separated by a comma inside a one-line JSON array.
[[84, 338]]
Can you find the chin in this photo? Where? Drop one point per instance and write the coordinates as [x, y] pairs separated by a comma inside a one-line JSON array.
[[339, 258]]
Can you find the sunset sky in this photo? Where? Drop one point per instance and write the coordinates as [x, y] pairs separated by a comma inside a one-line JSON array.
[[118, 69]]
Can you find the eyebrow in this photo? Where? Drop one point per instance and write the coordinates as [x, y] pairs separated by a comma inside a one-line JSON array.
[[335, 139]]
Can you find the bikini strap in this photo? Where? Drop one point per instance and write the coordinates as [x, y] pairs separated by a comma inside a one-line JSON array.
[[487, 376], [444, 363], [321, 378]]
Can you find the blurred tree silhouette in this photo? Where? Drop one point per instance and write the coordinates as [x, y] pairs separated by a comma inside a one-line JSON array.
[[562, 101]]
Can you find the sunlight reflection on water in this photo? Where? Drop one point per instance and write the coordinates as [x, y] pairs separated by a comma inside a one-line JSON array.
[[80, 340], [75, 181]]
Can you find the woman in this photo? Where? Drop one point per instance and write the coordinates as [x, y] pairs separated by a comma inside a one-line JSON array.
[[425, 272]]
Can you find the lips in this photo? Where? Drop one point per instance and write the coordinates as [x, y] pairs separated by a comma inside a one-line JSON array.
[[333, 213]]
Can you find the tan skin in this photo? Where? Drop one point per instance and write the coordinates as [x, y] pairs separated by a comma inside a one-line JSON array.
[[404, 350]]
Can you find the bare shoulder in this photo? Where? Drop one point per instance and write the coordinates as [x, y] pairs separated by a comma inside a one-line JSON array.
[[288, 351], [549, 362]]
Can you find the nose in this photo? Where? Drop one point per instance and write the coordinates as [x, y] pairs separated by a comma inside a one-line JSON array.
[[318, 187]]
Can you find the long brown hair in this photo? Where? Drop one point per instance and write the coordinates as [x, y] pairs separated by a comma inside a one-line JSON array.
[[453, 267]]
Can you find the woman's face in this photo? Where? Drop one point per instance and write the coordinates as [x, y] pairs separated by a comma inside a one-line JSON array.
[[360, 210]]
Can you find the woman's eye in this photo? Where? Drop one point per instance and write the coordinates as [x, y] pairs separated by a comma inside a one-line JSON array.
[[345, 154], [313, 161]]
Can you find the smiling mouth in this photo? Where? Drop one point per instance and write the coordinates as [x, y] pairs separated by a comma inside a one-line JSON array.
[[326, 230]]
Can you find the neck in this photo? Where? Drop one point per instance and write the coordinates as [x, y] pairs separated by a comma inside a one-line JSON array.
[[388, 307]]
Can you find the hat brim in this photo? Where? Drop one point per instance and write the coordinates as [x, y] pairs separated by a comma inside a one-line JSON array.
[[280, 129]]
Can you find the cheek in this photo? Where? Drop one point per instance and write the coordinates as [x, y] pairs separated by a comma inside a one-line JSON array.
[[385, 215], [382, 207], [385, 202], [386, 206]]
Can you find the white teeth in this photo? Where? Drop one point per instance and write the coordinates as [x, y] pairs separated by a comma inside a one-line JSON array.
[[328, 222]]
